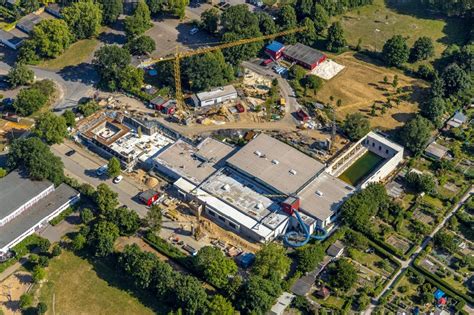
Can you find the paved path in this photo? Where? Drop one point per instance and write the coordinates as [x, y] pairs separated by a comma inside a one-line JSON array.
[[406, 263]]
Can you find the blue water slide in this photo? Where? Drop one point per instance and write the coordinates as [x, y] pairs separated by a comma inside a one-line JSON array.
[[295, 234]]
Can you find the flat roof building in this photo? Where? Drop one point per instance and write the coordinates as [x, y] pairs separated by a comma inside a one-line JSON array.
[[323, 197], [304, 55], [12, 39], [275, 164], [194, 163], [215, 96], [27, 205]]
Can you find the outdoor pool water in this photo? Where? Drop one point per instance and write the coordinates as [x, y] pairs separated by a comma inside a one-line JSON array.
[[361, 168]]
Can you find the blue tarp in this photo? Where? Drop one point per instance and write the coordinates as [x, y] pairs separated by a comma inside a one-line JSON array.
[[438, 294], [275, 46], [246, 259]]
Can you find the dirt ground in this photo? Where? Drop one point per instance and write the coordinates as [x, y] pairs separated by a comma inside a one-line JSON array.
[[9, 129], [10, 291], [361, 84]]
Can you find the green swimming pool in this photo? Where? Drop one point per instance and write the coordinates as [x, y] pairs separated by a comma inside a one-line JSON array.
[[361, 168]]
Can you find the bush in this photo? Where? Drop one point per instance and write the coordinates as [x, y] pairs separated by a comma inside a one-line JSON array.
[[56, 220], [26, 300]]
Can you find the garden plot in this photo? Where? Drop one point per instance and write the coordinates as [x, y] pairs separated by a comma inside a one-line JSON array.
[[328, 69], [397, 242], [423, 217]]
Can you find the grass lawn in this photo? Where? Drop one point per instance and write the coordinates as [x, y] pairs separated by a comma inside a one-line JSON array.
[[78, 287], [407, 21], [331, 302], [360, 84], [76, 54], [361, 168], [434, 202], [372, 262]]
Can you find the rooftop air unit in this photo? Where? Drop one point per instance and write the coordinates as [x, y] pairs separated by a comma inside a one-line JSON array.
[[258, 153], [292, 172], [226, 187], [276, 162], [319, 193]]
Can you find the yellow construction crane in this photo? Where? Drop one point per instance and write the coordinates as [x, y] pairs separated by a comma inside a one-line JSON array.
[[185, 54]]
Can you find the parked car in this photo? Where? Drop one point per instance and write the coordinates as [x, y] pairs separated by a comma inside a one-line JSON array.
[[118, 179], [191, 250], [193, 31], [70, 152], [101, 170]]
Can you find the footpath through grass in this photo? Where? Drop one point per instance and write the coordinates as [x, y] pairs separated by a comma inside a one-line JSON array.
[[76, 287], [79, 52]]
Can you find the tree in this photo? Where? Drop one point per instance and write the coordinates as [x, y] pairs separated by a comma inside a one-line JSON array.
[[363, 300], [214, 266], [35, 157], [41, 308], [3, 172], [105, 199], [29, 5], [141, 45], [239, 23], [416, 133], [139, 265], [43, 245], [20, 74], [88, 108], [320, 18], [189, 293], [210, 19], [395, 51], [455, 80], [26, 300], [126, 220], [156, 6], [27, 53], [111, 9], [343, 275], [335, 39], [154, 218], [208, 70], [139, 22], [445, 241], [422, 49], [271, 260], [110, 61], [102, 238], [356, 126], [29, 101], [84, 18], [314, 82], [309, 256], [56, 251], [51, 37], [130, 78], [420, 182], [51, 128], [70, 118], [434, 110], [178, 7], [309, 35], [304, 8], [113, 167], [266, 23], [220, 306], [87, 216], [257, 295], [78, 242], [38, 274], [287, 20]]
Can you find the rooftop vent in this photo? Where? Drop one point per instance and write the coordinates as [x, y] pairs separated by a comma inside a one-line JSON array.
[[319, 193], [276, 162], [258, 153], [226, 187], [292, 172], [259, 206]]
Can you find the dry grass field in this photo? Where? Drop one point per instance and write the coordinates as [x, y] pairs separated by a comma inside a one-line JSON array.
[[361, 84]]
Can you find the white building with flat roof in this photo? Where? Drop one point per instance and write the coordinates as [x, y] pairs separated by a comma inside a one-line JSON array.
[[215, 96]]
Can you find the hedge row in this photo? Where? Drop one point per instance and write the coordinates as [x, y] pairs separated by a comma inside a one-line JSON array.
[[440, 285], [63, 215], [168, 250], [443, 283]]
